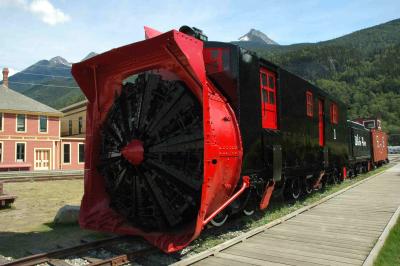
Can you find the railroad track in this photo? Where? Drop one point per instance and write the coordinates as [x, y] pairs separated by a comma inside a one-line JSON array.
[[39, 178], [112, 251]]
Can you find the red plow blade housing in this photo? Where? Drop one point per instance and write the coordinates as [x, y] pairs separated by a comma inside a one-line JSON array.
[[163, 148]]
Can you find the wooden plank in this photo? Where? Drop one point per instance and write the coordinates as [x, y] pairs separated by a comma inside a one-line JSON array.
[[299, 245], [379, 244], [280, 257], [275, 258], [338, 220], [246, 260], [211, 261], [316, 239], [288, 251], [331, 231], [355, 228], [335, 219], [329, 236], [352, 213]]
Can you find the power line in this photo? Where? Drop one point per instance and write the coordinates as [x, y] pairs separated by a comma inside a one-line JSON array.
[[34, 84], [35, 74]]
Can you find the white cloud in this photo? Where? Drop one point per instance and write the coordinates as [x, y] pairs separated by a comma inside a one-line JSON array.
[[47, 12], [41, 8], [12, 71], [10, 3]]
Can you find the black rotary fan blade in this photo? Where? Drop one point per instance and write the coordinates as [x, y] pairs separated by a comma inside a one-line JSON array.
[[152, 153]]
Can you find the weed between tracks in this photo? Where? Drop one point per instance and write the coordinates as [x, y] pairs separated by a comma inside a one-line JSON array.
[[277, 209]]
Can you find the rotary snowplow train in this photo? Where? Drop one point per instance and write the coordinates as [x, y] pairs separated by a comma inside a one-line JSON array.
[[182, 132]]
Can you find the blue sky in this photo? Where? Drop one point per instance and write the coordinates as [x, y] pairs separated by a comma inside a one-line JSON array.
[[41, 29]]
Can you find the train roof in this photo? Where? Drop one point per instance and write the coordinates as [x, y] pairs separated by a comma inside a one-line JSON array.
[[356, 125]]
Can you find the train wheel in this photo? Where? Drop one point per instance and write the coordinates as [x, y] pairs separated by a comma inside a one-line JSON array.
[[336, 178], [308, 186], [293, 189], [220, 219], [248, 210]]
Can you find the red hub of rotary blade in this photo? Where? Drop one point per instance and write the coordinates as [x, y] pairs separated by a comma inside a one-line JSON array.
[[134, 152]]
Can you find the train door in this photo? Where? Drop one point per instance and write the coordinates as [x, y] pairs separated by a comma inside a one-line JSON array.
[[268, 99], [321, 122]]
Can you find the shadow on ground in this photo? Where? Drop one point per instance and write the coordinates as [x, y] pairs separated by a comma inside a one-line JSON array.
[[48, 237]]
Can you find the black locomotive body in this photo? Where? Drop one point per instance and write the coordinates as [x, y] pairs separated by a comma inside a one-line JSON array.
[[291, 130], [359, 148]]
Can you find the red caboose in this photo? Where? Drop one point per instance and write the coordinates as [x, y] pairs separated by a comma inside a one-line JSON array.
[[379, 140]]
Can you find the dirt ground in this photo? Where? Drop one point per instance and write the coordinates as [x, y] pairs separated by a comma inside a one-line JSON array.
[[27, 227]]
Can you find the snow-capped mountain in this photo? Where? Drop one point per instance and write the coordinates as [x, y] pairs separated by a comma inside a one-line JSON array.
[[58, 60], [256, 36]]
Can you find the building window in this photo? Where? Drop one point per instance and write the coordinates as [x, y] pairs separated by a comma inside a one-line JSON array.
[[1, 152], [1, 121], [21, 123], [81, 153], [43, 123], [67, 153], [80, 125], [70, 127], [20, 152], [334, 113], [309, 104]]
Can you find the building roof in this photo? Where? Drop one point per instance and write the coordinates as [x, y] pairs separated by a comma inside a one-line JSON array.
[[74, 106], [14, 102]]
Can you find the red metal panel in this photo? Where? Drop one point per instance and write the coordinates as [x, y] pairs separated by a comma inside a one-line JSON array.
[[266, 197], [321, 122], [268, 99], [379, 143], [150, 33], [100, 77], [216, 59]]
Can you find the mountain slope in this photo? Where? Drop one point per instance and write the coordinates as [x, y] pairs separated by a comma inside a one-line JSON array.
[[56, 93], [42, 71], [49, 82]]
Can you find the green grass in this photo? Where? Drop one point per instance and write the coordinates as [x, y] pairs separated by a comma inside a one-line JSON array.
[[27, 228], [277, 209], [390, 252]]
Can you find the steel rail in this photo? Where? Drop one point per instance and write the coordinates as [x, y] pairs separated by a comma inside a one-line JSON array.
[[58, 257]]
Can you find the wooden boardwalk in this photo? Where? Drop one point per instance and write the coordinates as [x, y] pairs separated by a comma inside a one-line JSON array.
[[340, 231]]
